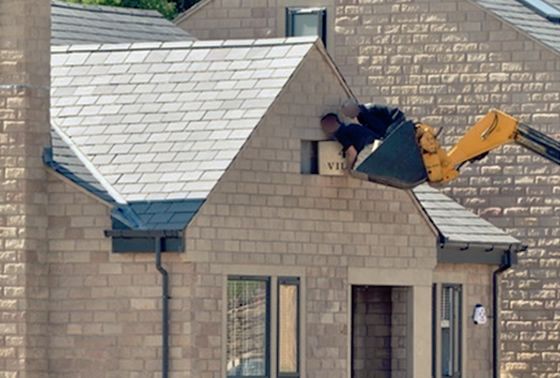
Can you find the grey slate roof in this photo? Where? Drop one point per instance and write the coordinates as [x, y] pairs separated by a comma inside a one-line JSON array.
[[161, 122], [86, 24], [165, 215], [526, 20], [164, 121], [457, 224], [65, 159]]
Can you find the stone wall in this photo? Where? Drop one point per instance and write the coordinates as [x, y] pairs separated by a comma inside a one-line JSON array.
[[104, 308], [476, 281], [232, 19], [24, 130], [400, 319], [371, 327], [448, 62], [265, 216], [379, 324]]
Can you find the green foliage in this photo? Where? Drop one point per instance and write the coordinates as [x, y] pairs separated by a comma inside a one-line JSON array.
[[168, 8], [183, 5]]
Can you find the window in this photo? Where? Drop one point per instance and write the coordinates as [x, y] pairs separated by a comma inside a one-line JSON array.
[[288, 327], [306, 22], [247, 327], [248, 347], [309, 163], [544, 9], [450, 325], [447, 330]]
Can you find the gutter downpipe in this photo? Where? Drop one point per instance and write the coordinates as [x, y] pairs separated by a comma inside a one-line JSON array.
[[508, 260], [158, 236], [164, 310]]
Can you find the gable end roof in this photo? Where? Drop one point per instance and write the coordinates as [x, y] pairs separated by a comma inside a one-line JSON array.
[[161, 122]]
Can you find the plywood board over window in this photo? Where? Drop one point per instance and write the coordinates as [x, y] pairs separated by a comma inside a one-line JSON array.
[[288, 327]]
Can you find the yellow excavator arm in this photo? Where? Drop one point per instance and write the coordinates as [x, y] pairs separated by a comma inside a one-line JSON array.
[[492, 131], [411, 154]]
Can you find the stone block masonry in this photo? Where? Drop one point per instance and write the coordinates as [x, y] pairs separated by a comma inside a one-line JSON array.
[[267, 215], [24, 131], [447, 63]]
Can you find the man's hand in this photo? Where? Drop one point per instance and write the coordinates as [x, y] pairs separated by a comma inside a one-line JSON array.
[[351, 155]]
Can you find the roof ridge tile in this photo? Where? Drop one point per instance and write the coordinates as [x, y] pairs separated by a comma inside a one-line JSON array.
[[186, 45]]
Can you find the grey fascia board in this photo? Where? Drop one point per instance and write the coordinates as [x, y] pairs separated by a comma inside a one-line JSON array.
[[465, 253], [145, 234]]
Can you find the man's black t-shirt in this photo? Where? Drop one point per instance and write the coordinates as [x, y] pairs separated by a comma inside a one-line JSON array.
[[378, 118], [354, 135]]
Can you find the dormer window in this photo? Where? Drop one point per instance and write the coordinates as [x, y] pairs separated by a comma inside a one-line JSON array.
[[302, 22]]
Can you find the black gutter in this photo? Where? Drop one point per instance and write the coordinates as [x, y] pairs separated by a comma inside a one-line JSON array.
[[509, 258], [143, 233], [164, 311]]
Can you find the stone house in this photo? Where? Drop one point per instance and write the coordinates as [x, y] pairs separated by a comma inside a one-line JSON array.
[[448, 62], [197, 151]]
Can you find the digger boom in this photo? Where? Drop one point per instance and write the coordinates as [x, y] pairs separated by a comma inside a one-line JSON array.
[[538, 142], [492, 131], [412, 154]]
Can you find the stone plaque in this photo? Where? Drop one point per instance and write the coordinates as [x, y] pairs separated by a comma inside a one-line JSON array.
[[331, 161]]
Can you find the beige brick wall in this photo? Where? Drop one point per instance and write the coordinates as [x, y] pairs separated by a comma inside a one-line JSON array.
[[476, 281], [379, 325], [371, 327], [262, 218], [24, 115], [448, 62], [400, 342], [225, 19], [265, 214], [104, 308]]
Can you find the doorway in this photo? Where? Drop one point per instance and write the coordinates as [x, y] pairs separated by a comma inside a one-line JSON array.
[[379, 331]]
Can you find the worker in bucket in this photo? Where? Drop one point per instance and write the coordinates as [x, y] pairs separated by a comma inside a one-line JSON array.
[[380, 119], [357, 141]]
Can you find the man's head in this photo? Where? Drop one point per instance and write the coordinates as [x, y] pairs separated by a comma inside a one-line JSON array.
[[350, 108], [330, 123]]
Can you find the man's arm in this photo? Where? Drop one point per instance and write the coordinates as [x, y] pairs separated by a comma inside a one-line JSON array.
[[384, 111], [351, 154]]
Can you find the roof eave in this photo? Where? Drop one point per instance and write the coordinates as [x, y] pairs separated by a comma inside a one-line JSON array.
[[144, 241], [416, 202], [454, 252]]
